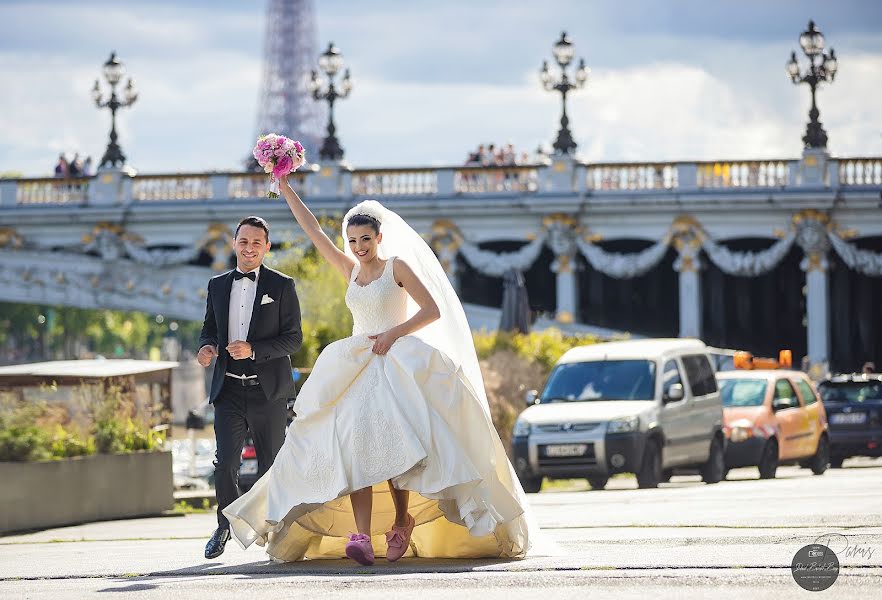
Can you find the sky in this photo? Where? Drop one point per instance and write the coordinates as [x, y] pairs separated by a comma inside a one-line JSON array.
[[672, 80]]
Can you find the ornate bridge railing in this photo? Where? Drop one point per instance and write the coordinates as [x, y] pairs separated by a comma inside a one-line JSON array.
[[445, 180], [740, 174], [394, 182], [52, 191], [860, 171], [631, 176], [560, 175]]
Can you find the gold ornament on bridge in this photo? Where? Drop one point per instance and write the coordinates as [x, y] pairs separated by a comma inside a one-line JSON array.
[[218, 243], [10, 238]]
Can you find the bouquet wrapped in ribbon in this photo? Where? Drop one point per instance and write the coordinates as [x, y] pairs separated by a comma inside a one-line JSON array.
[[279, 156]]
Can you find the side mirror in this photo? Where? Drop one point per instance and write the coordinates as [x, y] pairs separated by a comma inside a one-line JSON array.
[[674, 393], [782, 403], [530, 397]]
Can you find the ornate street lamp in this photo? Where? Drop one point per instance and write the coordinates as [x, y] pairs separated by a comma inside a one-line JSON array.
[[563, 53], [113, 73], [330, 62], [822, 67]]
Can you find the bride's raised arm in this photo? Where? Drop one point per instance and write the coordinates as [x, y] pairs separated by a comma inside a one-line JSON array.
[[311, 227]]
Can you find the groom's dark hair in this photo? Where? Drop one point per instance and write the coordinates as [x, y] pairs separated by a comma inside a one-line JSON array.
[[254, 222]]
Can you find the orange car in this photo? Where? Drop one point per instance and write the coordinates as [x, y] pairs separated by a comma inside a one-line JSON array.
[[773, 416]]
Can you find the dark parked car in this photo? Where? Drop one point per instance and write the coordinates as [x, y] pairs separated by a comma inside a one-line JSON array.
[[854, 414]]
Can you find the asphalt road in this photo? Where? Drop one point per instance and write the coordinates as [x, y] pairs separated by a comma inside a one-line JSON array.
[[686, 539]]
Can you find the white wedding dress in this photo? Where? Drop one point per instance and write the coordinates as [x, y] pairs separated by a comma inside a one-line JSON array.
[[411, 416]]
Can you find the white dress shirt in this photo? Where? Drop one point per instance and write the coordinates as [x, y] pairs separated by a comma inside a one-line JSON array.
[[241, 306]]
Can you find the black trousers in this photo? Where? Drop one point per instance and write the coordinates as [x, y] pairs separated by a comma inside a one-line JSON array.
[[238, 410]]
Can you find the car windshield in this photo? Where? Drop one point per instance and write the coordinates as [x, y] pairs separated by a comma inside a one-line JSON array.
[[852, 391], [743, 392], [601, 380]]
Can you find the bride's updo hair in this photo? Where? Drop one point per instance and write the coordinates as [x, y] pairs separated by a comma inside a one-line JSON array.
[[364, 220]]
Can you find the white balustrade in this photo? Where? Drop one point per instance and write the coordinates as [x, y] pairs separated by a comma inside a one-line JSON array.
[[743, 174], [52, 191], [394, 182], [440, 181], [860, 171], [148, 188], [482, 180], [627, 176]]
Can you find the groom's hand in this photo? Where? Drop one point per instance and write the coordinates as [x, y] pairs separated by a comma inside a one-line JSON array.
[[206, 353], [240, 350]]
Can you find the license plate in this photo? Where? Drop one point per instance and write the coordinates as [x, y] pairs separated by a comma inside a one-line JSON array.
[[249, 467], [848, 418], [566, 450]]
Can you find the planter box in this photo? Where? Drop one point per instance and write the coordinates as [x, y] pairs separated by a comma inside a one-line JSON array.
[[40, 495]]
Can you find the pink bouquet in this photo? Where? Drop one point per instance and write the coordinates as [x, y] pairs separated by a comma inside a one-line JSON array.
[[279, 156]]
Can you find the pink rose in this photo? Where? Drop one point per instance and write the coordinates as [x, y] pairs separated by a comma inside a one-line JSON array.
[[284, 166], [298, 147]]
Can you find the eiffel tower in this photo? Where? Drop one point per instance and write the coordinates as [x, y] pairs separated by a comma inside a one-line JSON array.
[[289, 55]]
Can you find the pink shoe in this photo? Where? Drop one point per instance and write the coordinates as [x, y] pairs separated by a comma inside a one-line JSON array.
[[398, 540], [359, 549]]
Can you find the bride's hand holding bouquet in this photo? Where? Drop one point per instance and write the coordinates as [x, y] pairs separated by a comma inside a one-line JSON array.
[[279, 156]]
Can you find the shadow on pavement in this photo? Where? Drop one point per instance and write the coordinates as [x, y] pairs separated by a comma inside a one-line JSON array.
[[324, 568]]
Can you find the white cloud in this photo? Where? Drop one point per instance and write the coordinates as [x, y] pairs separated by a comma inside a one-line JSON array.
[[199, 76]]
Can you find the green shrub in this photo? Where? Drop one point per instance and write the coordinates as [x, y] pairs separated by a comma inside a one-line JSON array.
[[21, 443], [543, 347], [69, 443], [105, 419], [321, 291]]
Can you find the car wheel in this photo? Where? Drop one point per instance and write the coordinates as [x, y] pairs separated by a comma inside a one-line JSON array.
[[531, 485], [836, 462], [768, 465], [650, 472], [821, 460], [598, 483], [713, 470], [666, 475]]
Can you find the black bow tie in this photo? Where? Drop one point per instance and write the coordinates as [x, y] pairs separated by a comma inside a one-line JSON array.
[[237, 275]]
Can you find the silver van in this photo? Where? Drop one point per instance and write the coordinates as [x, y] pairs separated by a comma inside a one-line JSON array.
[[646, 407]]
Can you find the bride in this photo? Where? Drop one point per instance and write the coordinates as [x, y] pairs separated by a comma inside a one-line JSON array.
[[393, 432]]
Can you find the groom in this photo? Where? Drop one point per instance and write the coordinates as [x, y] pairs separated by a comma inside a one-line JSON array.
[[252, 325]]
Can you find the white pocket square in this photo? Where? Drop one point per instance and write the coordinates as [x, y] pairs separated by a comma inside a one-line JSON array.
[[266, 300]]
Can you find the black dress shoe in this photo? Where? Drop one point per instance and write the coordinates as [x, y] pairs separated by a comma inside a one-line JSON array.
[[215, 545]]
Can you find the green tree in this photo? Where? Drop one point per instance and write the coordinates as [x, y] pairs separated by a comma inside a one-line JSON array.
[[321, 292]]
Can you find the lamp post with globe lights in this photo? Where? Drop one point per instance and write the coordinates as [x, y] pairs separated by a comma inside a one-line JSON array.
[[114, 70], [330, 62], [822, 68], [564, 51]]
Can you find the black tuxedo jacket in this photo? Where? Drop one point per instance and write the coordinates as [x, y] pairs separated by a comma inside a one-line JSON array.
[[274, 332]]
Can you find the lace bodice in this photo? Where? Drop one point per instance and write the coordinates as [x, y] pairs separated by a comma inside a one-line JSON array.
[[377, 306]]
